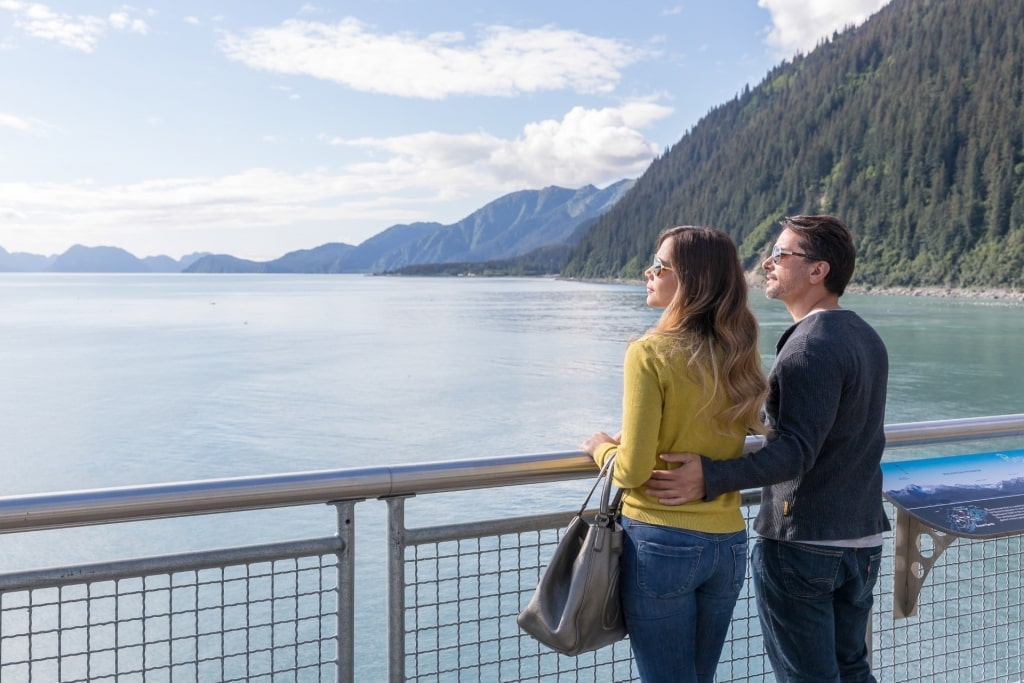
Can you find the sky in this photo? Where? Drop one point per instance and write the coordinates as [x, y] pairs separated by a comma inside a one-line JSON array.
[[260, 128]]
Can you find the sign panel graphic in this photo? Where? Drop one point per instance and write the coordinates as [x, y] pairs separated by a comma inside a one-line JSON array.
[[980, 495]]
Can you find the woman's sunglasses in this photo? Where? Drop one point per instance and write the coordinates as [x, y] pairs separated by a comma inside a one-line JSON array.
[[658, 266]]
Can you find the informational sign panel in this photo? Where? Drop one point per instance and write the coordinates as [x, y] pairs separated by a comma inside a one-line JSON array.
[[980, 495]]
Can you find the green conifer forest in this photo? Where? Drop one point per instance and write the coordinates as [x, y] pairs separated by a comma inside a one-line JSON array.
[[910, 128]]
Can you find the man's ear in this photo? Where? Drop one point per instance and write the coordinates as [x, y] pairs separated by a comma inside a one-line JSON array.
[[818, 271]]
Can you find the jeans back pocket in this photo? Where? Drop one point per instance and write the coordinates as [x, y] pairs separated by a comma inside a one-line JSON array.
[[667, 570]]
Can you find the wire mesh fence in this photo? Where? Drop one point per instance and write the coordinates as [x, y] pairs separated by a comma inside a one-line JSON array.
[[969, 625], [214, 617], [259, 620], [465, 586], [462, 597]]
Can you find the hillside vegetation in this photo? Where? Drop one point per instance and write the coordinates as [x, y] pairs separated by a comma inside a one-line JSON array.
[[910, 128]]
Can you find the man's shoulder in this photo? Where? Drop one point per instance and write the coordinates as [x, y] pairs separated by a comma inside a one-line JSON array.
[[855, 329], [835, 324], [828, 333]]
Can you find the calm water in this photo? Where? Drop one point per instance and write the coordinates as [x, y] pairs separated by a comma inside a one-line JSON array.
[[126, 379], [112, 380]]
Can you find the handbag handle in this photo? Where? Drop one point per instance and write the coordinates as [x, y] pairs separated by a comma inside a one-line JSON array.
[[608, 507]]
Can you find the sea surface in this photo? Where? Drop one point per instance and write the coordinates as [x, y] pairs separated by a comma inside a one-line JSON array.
[[118, 380]]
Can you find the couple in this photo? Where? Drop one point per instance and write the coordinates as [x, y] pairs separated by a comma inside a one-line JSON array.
[[694, 389]]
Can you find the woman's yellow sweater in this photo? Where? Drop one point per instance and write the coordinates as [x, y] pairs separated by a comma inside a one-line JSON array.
[[666, 410]]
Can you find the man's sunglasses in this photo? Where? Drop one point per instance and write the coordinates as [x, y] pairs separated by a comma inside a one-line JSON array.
[[778, 252]]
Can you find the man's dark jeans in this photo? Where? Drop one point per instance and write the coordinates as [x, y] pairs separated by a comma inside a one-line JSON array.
[[814, 603]]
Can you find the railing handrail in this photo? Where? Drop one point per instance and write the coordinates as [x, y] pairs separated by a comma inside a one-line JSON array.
[[33, 512]]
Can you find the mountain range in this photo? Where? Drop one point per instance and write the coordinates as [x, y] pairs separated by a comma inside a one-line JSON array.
[[545, 222]]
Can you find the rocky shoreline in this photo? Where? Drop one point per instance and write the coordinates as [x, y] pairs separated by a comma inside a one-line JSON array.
[[989, 294], [756, 281]]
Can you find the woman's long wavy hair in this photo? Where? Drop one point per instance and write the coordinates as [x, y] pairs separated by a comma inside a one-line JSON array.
[[711, 320]]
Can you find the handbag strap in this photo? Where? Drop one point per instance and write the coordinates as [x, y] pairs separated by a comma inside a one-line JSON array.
[[608, 506]]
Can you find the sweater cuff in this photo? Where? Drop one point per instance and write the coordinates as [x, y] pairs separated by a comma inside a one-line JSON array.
[[603, 452], [715, 483]]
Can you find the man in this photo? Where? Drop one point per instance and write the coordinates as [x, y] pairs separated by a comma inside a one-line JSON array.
[[821, 520]]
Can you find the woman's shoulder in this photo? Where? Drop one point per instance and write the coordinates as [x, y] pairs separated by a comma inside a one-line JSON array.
[[656, 348], [653, 342]]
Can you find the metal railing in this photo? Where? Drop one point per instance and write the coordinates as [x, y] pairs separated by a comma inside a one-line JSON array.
[[285, 611]]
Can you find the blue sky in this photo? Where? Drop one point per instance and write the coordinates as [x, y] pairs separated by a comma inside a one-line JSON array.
[[258, 128]]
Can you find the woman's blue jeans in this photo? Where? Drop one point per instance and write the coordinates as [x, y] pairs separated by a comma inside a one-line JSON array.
[[814, 603], [678, 591]]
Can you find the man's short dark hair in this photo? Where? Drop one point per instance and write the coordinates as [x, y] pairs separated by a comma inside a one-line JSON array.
[[826, 238]]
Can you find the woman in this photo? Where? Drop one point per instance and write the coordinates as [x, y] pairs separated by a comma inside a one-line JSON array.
[[692, 383]]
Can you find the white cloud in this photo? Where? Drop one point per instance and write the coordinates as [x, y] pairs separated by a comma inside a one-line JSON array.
[[256, 198], [586, 146], [10, 214], [23, 124], [798, 25], [13, 122], [502, 62], [80, 32], [124, 22]]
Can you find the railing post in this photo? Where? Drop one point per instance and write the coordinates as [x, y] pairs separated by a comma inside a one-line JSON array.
[[346, 591], [396, 589]]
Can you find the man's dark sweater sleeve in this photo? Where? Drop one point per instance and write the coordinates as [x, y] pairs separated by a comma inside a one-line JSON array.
[[806, 389]]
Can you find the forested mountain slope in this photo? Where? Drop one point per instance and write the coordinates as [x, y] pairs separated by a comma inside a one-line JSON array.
[[910, 128]]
